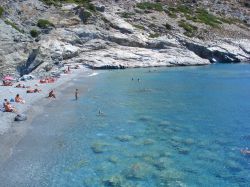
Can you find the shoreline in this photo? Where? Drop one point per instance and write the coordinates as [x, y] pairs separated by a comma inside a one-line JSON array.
[[11, 132]]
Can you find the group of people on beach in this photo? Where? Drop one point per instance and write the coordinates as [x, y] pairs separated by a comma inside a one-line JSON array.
[[18, 99], [8, 107]]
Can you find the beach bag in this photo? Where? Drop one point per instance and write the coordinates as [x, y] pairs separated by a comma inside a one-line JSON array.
[[20, 117]]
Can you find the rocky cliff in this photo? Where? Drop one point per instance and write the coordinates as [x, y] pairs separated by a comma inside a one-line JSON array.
[[41, 36]]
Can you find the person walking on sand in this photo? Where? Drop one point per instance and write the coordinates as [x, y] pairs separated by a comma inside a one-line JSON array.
[[76, 94]]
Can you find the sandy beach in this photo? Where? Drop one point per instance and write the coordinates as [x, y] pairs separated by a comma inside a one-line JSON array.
[[10, 131]]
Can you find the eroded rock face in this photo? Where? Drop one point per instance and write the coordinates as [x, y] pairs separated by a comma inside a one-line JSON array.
[[111, 38], [224, 51]]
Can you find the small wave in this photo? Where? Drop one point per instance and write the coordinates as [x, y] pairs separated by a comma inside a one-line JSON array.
[[93, 74]]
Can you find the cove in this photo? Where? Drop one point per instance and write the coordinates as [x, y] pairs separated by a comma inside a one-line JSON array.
[[182, 126]]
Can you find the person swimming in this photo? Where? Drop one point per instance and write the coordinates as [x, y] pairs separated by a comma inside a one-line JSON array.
[[100, 113], [245, 151], [76, 94]]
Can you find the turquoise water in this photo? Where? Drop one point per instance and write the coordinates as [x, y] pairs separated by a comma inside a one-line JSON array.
[[180, 126]]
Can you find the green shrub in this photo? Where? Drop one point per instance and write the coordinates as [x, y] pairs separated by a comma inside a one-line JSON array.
[[150, 6], [34, 33], [86, 16], [139, 26], [189, 29], [86, 3], [184, 9], [155, 35], [127, 14], [90, 7], [43, 23], [205, 17], [1, 11], [13, 25], [170, 13], [168, 26]]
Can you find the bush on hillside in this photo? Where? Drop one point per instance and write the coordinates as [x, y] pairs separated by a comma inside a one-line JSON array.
[[155, 35], [44, 24], [1, 11], [168, 26], [86, 3], [150, 6], [13, 25], [34, 33], [139, 26], [190, 30], [127, 14]]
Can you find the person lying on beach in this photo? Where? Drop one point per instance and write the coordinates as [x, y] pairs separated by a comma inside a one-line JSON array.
[[9, 108], [34, 90], [52, 94], [7, 83], [47, 80], [20, 86], [18, 99], [245, 151]]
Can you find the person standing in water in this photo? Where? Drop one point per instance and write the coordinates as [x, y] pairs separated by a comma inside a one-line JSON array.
[[76, 94]]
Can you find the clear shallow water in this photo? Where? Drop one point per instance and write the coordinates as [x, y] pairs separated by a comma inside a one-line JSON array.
[[180, 126]]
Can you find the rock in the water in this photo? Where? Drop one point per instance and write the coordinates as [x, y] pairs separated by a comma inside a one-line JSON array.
[[124, 138]]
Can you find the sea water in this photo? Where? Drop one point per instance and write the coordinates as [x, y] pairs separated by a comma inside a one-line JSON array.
[[182, 126]]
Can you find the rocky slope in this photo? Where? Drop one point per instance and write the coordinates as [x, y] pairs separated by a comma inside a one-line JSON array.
[[40, 38]]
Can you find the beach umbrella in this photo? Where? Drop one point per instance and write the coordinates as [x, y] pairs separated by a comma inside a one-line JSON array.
[[8, 78]]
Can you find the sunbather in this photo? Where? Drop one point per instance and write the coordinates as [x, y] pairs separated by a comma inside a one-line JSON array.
[[7, 83], [18, 99], [47, 80], [20, 86], [9, 108], [34, 90]]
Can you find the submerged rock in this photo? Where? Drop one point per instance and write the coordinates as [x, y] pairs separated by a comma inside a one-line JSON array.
[[165, 123], [162, 163], [138, 171], [183, 150], [233, 166], [99, 147], [145, 118], [148, 141], [124, 138], [113, 159], [113, 181], [170, 175]]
